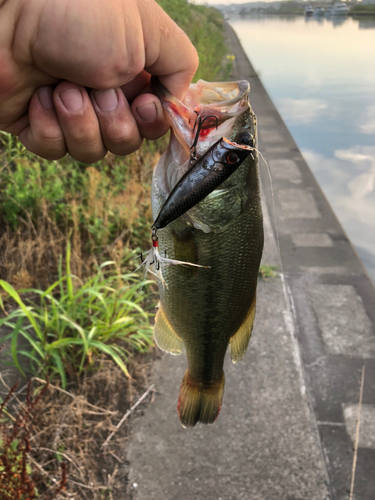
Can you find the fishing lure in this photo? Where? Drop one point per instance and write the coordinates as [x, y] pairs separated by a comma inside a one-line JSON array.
[[219, 162]]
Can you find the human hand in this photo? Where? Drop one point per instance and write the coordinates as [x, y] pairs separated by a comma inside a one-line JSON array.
[[74, 75]]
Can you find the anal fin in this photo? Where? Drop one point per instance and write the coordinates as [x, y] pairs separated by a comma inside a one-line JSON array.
[[165, 336], [240, 340]]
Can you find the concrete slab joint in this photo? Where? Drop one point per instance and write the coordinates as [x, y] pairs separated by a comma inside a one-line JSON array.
[[298, 204], [342, 319]]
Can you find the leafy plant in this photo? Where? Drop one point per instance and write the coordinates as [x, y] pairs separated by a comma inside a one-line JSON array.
[[73, 321], [266, 272], [24, 190], [227, 69]]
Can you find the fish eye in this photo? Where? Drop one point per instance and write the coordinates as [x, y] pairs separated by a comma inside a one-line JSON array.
[[232, 158], [244, 138]]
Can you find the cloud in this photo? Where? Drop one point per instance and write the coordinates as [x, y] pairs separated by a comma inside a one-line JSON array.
[[348, 181], [302, 111], [363, 157], [366, 123], [362, 185]]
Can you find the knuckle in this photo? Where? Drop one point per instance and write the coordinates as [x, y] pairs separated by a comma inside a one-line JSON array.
[[125, 149], [194, 60], [51, 148], [87, 156], [114, 73], [48, 153], [50, 138], [123, 146]]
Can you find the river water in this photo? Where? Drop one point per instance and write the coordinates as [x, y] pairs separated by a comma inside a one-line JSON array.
[[320, 73]]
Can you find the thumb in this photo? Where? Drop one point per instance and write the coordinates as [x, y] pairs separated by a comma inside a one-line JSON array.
[[169, 54]]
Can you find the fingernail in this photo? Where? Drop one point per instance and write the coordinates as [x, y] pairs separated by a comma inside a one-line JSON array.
[[107, 100], [45, 97], [148, 112], [72, 100]]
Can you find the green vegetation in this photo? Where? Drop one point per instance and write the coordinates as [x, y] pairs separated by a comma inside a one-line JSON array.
[[204, 27], [266, 272], [288, 7], [43, 202], [363, 9], [73, 321], [291, 7]]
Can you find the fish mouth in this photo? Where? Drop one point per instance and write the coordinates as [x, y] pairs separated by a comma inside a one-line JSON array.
[[222, 101]]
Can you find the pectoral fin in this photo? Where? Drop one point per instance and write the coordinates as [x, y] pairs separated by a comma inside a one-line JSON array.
[[240, 340], [165, 336]]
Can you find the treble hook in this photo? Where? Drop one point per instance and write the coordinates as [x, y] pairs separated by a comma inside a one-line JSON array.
[[199, 121]]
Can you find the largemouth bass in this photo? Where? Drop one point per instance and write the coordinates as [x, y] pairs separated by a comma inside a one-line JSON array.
[[205, 308]]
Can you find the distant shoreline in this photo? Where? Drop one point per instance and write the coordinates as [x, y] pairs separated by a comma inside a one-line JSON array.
[[302, 14]]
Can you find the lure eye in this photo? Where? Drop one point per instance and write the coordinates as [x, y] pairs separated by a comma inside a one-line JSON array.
[[232, 158]]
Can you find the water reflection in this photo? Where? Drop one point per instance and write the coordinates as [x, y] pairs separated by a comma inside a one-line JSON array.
[[334, 20], [349, 179], [362, 22], [366, 123], [302, 111], [323, 83], [365, 24], [314, 19], [337, 20]]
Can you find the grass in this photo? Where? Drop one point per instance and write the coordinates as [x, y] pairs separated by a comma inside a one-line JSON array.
[[101, 207], [266, 272], [73, 321]]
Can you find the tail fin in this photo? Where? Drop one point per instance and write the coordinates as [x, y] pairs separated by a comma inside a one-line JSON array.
[[199, 403]]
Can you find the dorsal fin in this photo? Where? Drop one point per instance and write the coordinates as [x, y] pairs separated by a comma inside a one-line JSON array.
[[165, 336], [240, 340]]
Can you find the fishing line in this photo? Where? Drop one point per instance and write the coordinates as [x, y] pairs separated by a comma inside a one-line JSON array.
[[289, 319], [273, 210]]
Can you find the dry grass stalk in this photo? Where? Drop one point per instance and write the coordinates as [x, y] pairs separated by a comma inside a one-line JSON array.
[[357, 434], [29, 256], [129, 412], [17, 481], [71, 426]]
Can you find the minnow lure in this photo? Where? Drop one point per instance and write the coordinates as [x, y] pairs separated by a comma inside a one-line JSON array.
[[206, 174]]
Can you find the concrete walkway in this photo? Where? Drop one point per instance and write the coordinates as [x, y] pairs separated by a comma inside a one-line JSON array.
[[289, 416], [264, 444]]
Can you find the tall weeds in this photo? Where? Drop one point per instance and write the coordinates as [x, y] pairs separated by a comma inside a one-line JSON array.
[[17, 479]]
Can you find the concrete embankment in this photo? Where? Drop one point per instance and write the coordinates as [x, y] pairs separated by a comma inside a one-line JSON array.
[[332, 298], [288, 423]]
